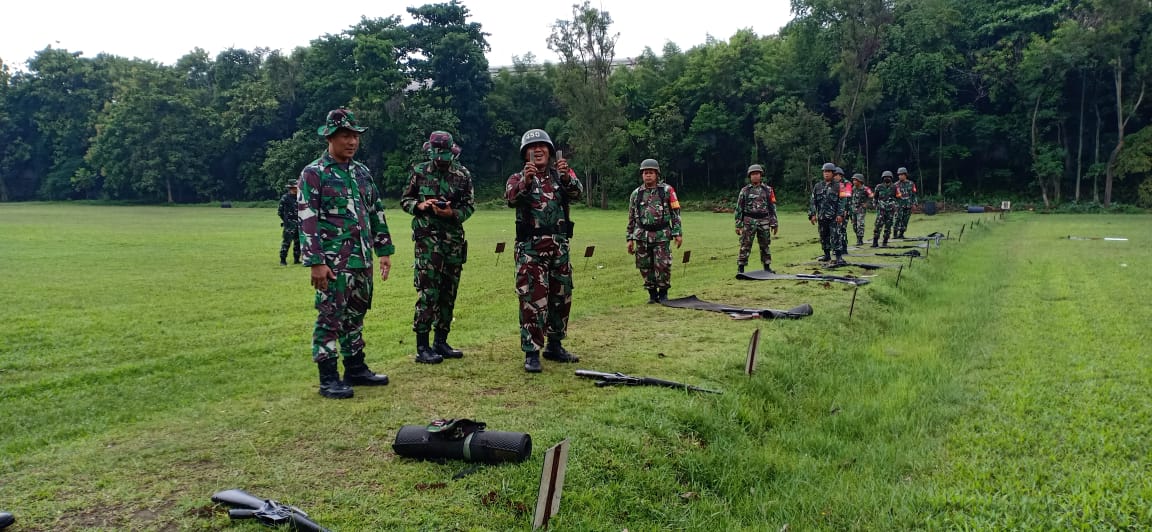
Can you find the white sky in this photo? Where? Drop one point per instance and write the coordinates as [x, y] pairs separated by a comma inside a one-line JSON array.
[[163, 30]]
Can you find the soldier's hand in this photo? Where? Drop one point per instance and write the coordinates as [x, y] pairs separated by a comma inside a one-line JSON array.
[[444, 212], [529, 170], [562, 167], [385, 267], [423, 205], [739, 231], [679, 240], [631, 247], [321, 274], [775, 229], [812, 219]]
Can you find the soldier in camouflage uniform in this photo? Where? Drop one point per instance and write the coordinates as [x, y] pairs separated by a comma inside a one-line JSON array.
[[885, 208], [905, 199], [846, 195], [541, 194], [341, 223], [858, 206], [826, 209], [290, 224], [439, 196], [756, 218], [653, 221]]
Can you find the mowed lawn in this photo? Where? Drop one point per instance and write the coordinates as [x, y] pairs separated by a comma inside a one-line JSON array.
[[151, 356]]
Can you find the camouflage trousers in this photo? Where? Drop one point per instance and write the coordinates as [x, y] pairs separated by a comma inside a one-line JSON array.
[[903, 213], [858, 216], [884, 216], [438, 262], [654, 259], [759, 232], [831, 235], [544, 285], [341, 309], [290, 238], [841, 231]]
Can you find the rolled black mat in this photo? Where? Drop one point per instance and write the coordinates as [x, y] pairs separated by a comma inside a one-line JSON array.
[[490, 447], [692, 302], [761, 275]]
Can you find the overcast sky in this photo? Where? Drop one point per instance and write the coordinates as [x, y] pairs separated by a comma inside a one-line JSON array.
[[164, 31]]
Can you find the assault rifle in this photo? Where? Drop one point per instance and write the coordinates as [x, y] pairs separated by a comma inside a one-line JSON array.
[[613, 379], [268, 512]]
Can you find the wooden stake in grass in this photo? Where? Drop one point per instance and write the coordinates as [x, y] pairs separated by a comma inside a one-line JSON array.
[[687, 257], [551, 484], [499, 251], [852, 307], [961, 235], [588, 252], [753, 352], [898, 274]]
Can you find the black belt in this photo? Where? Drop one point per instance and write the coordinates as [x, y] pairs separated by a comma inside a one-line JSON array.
[[655, 227], [756, 215], [525, 231]]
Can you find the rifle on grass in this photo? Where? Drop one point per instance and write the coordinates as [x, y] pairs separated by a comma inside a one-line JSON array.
[[268, 512], [613, 379]]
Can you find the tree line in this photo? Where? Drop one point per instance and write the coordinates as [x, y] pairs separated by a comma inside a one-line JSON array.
[[1035, 99]]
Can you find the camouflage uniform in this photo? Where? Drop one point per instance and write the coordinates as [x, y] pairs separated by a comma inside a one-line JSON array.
[[845, 199], [653, 221], [826, 204], [543, 272], [858, 208], [755, 217], [905, 197], [341, 223], [290, 226], [885, 211], [440, 248]]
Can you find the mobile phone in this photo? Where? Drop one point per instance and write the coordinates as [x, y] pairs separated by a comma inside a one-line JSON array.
[[442, 204]]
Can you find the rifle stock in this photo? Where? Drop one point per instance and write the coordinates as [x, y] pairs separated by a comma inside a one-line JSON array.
[[269, 512], [609, 379]]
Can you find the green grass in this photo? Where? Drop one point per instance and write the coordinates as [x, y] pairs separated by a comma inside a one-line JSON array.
[[152, 356]]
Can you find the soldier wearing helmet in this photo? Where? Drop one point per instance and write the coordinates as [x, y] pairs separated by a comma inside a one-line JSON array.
[[440, 198], [905, 199], [541, 193], [885, 208], [290, 224], [756, 218], [846, 196], [858, 206], [341, 224], [653, 221], [826, 211]]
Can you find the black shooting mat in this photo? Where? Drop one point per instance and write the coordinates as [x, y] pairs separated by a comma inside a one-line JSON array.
[[905, 254], [864, 265], [930, 236], [692, 302], [761, 275]]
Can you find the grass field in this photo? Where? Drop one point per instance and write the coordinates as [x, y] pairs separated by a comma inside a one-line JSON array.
[[151, 356]]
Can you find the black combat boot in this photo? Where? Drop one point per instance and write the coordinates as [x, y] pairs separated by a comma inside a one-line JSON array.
[[282, 261], [768, 267], [839, 260], [532, 362], [739, 268], [875, 241], [356, 372], [330, 384], [424, 353], [825, 258], [296, 259], [663, 293], [859, 241], [556, 352], [441, 347], [653, 296], [885, 244]]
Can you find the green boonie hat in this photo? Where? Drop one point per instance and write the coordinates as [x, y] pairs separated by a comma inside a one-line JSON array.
[[440, 146], [291, 184], [339, 119]]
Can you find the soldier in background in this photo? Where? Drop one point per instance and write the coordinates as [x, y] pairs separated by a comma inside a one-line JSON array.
[[341, 224], [756, 218], [440, 198], [885, 208], [541, 194], [826, 211], [290, 225], [653, 221], [905, 199], [858, 206]]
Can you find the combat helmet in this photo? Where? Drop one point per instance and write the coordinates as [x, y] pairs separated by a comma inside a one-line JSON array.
[[839, 171], [858, 177], [901, 170], [828, 166], [291, 184], [650, 164], [533, 136], [755, 168]]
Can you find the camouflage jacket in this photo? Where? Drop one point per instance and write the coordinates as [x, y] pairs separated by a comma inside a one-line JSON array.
[[827, 200], [341, 216], [905, 192], [885, 196], [541, 202], [453, 185], [756, 204], [288, 212], [861, 197], [653, 214]]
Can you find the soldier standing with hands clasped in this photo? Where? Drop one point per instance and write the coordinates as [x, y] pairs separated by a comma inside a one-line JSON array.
[[541, 194], [858, 206], [290, 225], [905, 199], [653, 220], [756, 218], [885, 208], [341, 223], [439, 196], [826, 210]]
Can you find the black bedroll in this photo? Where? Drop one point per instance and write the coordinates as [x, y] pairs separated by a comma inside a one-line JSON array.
[[6, 519], [244, 505], [476, 445]]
